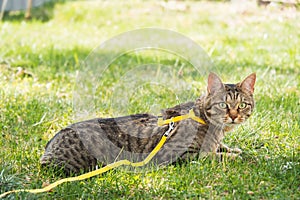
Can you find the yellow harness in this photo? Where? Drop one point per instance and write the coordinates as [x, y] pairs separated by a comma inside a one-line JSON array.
[[190, 115], [160, 122]]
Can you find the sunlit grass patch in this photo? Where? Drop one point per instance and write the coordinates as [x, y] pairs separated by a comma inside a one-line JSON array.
[[40, 60]]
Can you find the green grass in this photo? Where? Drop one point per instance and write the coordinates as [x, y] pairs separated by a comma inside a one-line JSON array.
[[239, 41]]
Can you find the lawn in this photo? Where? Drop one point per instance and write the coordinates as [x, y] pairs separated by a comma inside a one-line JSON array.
[[40, 61]]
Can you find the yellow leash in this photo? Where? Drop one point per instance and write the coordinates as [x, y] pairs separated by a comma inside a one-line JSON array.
[[118, 163], [95, 172]]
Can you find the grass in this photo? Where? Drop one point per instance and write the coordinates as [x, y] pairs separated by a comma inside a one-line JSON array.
[[40, 60]]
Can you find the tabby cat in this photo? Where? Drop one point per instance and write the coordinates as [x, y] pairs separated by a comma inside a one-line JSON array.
[[84, 145]]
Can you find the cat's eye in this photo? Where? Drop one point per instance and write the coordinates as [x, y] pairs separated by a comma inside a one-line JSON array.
[[222, 105], [242, 105]]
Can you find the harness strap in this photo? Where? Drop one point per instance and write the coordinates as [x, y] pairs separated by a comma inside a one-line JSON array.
[[190, 115]]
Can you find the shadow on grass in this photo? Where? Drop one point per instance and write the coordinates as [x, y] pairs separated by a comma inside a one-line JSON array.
[[41, 13]]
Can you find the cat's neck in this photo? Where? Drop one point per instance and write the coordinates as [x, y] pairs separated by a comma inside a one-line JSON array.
[[199, 109]]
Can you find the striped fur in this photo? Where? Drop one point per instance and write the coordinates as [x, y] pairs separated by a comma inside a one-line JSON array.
[[85, 144]]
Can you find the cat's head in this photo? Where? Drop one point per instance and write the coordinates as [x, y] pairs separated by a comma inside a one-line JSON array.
[[229, 104]]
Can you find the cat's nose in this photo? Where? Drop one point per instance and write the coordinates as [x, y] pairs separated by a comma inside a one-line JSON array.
[[233, 117], [233, 114]]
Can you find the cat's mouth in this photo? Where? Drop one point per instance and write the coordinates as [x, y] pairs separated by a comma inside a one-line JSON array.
[[232, 122]]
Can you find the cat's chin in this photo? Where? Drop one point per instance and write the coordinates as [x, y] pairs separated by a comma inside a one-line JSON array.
[[230, 124], [229, 127]]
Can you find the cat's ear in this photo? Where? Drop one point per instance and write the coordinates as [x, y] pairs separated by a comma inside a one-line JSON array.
[[214, 84], [248, 83]]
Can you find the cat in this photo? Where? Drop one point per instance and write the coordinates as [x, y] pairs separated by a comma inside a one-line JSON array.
[[84, 145]]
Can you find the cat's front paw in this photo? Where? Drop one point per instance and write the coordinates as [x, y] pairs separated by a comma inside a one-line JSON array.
[[236, 150], [229, 156], [225, 148]]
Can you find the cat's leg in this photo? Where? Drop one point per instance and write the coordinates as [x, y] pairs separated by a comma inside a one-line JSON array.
[[224, 148]]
